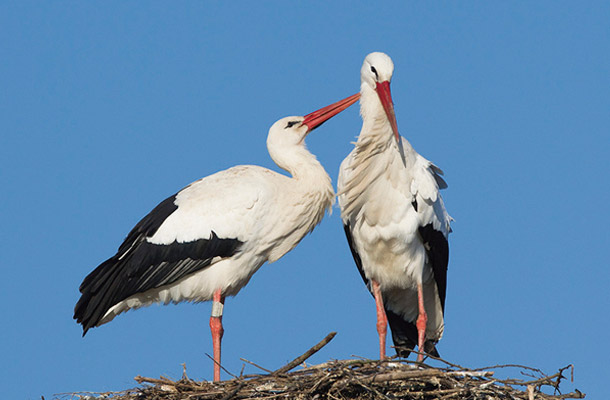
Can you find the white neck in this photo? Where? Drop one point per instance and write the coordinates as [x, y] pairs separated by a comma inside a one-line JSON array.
[[308, 175], [309, 192], [297, 161], [374, 119]]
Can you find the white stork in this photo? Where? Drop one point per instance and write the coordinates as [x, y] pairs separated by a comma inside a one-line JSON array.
[[206, 241], [395, 220]]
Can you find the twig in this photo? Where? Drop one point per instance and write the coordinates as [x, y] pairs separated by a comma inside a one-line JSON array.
[[561, 376], [545, 380], [257, 366], [223, 368], [318, 383], [314, 367], [440, 392], [393, 376], [297, 361], [573, 395], [441, 360], [510, 366], [184, 375], [372, 390], [160, 381], [163, 381], [234, 391], [475, 374]]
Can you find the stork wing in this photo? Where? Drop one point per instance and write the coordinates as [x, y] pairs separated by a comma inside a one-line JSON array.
[[437, 249], [434, 221], [182, 235]]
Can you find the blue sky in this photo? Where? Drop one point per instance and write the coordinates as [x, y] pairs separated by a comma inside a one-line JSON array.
[[108, 108]]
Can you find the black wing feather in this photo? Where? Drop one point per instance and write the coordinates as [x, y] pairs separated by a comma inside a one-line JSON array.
[[147, 227], [357, 259], [140, 265], [437, 249]]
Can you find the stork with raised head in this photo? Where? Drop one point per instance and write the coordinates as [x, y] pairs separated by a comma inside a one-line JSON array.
[[395, 220], [206, 241]]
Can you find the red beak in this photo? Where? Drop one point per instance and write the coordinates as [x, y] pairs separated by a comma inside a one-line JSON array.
[[383, 91], [317, 118]]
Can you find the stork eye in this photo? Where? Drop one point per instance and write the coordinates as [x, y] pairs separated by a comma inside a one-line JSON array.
[[291, 124], [374, 71]]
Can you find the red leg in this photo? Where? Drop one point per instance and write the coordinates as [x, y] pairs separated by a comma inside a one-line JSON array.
[[217, 330], [422, 320], [382, 320]]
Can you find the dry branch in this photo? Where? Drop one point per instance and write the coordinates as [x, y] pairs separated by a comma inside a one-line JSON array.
[[300, 359]]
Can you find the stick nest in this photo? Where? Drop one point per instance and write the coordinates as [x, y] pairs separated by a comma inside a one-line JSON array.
[[356, 379]]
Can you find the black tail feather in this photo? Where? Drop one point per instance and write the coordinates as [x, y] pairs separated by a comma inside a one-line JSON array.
[[93, 303], [404, 336]]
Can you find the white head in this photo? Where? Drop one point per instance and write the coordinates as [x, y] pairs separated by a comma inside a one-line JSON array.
[[288, 134], [377, 67], [376, 75]]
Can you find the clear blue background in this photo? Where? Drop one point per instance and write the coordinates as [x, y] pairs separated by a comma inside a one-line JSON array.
[[107, 108]]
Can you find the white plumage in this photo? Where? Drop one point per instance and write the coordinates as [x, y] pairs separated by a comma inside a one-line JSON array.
[[268, 212], [208, 240], [394, 216]]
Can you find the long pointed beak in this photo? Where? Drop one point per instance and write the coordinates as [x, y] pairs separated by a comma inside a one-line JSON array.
[[383, 91], [317, 118]]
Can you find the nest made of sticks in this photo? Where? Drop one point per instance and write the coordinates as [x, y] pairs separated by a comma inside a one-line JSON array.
[[356, 379]]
